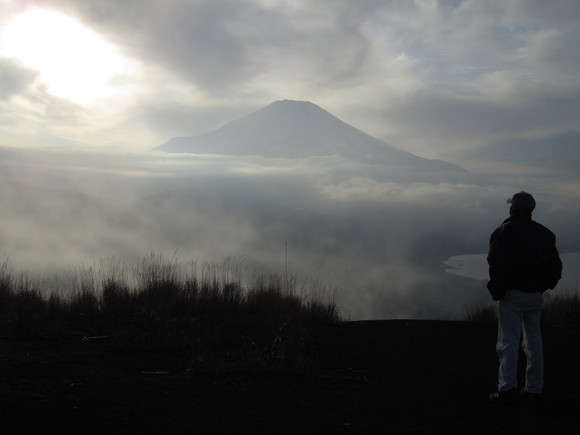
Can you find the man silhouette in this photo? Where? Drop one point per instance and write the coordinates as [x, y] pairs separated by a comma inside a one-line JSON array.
[[523, 263]]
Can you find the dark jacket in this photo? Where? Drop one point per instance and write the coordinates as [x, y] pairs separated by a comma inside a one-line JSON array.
[[522, 256]]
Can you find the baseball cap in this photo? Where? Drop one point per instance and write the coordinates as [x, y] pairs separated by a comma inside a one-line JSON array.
[[522, 201]]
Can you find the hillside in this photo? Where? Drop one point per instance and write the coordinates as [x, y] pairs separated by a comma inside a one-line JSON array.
[[413, 377]]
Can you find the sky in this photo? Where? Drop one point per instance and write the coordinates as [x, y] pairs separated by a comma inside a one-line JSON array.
[[442, 79], [88, 88]]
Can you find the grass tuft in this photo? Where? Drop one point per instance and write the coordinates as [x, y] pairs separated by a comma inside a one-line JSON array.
[[561, 309], [220, 314]]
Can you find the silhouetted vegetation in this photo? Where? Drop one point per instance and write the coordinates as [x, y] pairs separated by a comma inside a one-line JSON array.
[[562, 308], [219, 314]]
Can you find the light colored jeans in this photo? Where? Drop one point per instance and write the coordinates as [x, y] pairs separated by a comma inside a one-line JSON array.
[[518, 309]]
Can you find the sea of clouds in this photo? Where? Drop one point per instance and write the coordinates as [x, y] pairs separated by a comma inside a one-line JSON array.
[[375, 237]]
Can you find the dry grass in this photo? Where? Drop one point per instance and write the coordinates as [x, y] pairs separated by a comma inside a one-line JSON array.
[[220, 314], [561, 309]]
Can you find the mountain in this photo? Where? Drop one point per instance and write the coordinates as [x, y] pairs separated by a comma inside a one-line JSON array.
[[299, 129]]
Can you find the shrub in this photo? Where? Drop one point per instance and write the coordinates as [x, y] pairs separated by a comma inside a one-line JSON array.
[[486, 314], [224, 316], [561, 309]]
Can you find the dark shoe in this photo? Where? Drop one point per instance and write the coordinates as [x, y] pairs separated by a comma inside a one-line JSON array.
[[531, 397], [508, 396]]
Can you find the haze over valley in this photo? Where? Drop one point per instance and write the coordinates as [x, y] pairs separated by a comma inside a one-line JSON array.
[[376, 228]]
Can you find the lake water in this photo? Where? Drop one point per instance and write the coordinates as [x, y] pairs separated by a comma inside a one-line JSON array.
[[475, 266]]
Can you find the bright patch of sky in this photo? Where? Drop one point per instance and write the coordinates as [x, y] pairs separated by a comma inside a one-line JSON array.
[[73, 62]]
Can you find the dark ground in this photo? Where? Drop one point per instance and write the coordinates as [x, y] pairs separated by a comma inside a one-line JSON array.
[[415, 377]]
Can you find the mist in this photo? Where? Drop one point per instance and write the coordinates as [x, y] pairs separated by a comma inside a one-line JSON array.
[[377, 240]]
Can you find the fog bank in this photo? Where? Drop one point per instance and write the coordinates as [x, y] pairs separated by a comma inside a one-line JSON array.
[[378, 239]]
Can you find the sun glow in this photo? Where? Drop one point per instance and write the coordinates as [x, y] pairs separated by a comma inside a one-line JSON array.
[[74, 62]]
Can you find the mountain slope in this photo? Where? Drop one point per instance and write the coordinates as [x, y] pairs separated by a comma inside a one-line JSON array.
[[297, 129]]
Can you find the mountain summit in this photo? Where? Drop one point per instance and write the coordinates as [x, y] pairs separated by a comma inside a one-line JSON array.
[[299, 129]]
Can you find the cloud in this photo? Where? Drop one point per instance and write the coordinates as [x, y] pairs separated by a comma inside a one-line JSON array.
[[380, 243], [555, 52], [432, 77], [14, 78], [545, 152], [224, 45], [474, 83], [558, 13], [178, 119], [377, 242], [446, 125]]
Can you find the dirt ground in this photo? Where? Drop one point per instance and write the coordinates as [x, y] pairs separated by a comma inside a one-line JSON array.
[[414, 377]]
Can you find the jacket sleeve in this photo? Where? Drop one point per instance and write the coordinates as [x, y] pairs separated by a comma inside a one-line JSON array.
[[497, 258], [554, 266]]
